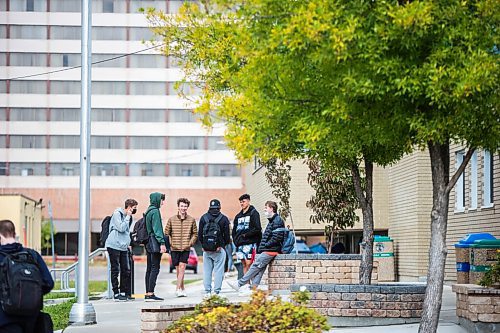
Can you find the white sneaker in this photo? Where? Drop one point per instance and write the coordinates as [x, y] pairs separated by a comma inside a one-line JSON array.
[[178, 293], [245, 290], [182, 293], [233, 284]]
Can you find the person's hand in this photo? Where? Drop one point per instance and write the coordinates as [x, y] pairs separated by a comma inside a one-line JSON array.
[[129, 211], [163, 248], [219, 248]]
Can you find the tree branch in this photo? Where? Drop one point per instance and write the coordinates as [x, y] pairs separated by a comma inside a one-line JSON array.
[[460, 170]]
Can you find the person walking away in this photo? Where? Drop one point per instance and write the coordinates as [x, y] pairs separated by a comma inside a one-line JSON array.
[[213, 234], [117, 245], [247, 232], [154, 226], [269, 247], [8, 246], [182, 233]]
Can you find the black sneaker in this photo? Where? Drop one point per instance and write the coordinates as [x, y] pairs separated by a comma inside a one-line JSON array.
[[130, 298], [152, 298], [119, 298]]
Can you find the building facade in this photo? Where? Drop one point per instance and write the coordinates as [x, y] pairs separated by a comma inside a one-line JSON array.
[[144, 137]]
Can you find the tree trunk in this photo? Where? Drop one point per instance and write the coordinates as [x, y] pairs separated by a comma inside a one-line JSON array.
[[366, 202], [441, 187]]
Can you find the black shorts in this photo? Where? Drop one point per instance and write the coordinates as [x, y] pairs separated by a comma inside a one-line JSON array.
[[178, 257]]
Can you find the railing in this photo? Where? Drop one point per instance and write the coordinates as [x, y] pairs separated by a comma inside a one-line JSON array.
[[65, 273]]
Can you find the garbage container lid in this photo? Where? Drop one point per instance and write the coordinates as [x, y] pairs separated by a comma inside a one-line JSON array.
[[378, 238], [487, 244], [469, 239]]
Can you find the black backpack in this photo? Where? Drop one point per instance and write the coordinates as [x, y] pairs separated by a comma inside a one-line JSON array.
[[105, 230], [140, 233], [20, 284], [211, 234]]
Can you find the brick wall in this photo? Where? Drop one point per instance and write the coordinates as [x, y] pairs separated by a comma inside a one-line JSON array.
[[157, 318], [478, 304], [288, 269]]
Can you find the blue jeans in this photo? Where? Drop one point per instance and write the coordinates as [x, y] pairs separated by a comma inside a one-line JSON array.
[[256, 270], [213, 263]]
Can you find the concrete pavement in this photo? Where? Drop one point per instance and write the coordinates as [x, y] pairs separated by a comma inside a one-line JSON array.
[[124, 317]]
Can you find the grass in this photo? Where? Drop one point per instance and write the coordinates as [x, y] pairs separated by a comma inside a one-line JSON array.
[[59, 313], [95, 287], [187, 281]]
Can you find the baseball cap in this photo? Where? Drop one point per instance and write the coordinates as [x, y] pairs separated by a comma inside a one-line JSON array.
[[214, 203]]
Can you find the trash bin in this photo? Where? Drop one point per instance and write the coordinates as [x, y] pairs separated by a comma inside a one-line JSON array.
[[483, 255], [462, 254], [383, 252]]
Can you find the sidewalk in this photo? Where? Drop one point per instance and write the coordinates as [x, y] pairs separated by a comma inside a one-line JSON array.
[[124, 317]]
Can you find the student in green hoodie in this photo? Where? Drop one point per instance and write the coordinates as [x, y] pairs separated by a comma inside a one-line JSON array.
[[154, 226]]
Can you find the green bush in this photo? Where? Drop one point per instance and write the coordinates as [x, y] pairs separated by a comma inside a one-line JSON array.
[[492, 277], [260, 315], [59, 313]]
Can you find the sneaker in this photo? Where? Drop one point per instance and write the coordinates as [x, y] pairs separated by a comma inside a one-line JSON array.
[[152, 298], [130, 298], [182, 293], [233, 284], [245, 290], [119, 298], [178, 293]]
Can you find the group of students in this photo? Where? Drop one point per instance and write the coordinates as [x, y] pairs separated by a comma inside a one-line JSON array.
[[254, 248]]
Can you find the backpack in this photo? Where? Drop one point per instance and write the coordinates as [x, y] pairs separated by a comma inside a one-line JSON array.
[[105, 229], [20, 284], [288, 241], [211, 234], [140, 233]]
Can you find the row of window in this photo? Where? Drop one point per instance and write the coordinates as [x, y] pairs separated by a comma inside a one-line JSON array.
[[112, 142], [468, 181], [98, 6], [113, 115], [99, 88], [98, 60], [120, 169]]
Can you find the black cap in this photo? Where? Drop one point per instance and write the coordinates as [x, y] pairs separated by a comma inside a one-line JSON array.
[[214, 203]]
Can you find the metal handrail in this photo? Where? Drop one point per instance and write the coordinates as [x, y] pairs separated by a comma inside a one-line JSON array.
[[65, 272]]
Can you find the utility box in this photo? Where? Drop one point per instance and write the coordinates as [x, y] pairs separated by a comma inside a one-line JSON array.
[[383, 253]]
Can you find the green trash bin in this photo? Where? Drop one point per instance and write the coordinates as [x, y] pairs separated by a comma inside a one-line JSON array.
[[383, 253], [482, 256]]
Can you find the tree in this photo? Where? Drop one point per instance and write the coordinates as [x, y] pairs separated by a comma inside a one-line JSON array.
[[349, 81], [46, 236], [278, 177]]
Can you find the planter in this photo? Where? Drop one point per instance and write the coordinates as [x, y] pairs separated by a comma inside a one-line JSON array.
[[478, 308]]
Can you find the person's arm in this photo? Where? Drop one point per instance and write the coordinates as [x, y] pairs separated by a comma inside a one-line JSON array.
[[200, 229], [157, 227], [235, 225], [168, 228], [255, 227], [194, 234], [118, 222], [48, 282], [226, 231], [277, 236]]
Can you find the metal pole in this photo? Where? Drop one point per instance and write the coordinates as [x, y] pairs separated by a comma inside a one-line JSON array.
[[82, 312], [52, 240]]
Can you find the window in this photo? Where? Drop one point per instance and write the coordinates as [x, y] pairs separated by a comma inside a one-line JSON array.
[[185, 142], [108, 115], [216, 143], [28, 32], [173, 62], [3, 114], [256, 163], [109, 33], [109, 6], [65, 6], [148, 61], [148, 115], [3, 168], [487, 179], [109, 88], [65, 59], [108, 142], [65, 142], [182, 116], [27, 169], [460, 185], [148, 88], [64, 169], [223, 170], [147, 142], [140, 34], [187, 89], [28, 114], [186, 170], [30, 5], [65, 114], [106, 62], [473, 181], [3, 141], [26, 5], [107, 169], [28, 59], [3, 56], [65, 32], [3, 86], [28, 141], [146, 169], [174, 5], [28, 87], [65, 87]]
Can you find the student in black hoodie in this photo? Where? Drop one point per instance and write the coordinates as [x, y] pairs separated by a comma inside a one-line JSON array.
[[247, 232]]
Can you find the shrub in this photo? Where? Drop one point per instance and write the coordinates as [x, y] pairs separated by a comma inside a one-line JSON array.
[[261, 315], [492, 277]]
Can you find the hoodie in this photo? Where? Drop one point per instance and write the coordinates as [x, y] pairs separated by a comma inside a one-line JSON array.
[[153, 217], [247, 228], [119, 234], [212, 215]]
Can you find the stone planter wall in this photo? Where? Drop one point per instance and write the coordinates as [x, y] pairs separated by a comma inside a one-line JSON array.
[[360, 305], [288, 269], [478, 308], [156, 318]]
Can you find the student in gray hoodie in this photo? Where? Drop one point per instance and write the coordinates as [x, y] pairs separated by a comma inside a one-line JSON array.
[[117, 245]]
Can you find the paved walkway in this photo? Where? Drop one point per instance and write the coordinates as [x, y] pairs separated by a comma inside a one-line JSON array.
[[124, 317]]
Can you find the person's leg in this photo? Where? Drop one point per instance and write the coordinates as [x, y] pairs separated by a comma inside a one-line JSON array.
[[264, 260], [114, 261], [251, 273], [208, 266], [180, 277], [229, 254], [124, 273], [219, 261], [148, 271], [155, 270]]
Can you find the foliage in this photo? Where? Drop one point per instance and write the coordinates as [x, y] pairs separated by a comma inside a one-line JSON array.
[[46, 237], [278, 177], [492, 277], [260, 314], [59, 313]]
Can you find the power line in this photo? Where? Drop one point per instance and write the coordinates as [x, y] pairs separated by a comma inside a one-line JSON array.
[[74, 67]]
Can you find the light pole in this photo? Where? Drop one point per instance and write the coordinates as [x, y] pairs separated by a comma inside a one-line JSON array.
[[82, 312]]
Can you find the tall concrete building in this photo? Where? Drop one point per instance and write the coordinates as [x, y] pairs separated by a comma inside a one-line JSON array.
[[144, 136]]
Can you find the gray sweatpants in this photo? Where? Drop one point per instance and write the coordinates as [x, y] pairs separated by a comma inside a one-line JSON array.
[[256, 270]]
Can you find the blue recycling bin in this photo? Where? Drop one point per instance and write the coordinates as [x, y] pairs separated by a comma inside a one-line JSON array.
[[462, 253]]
